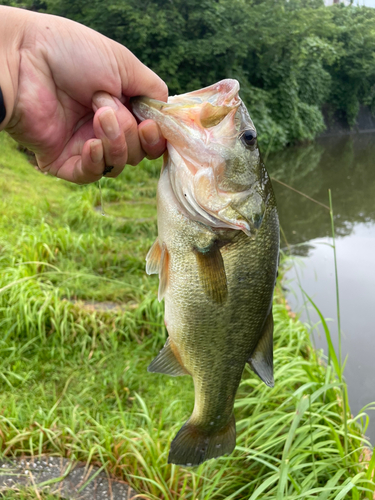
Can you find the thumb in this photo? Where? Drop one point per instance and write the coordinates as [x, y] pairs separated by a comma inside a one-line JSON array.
[[136, 78]]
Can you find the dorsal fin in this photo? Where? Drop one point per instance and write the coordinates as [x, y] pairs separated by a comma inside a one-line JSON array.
[[261, 360], [168, 361]]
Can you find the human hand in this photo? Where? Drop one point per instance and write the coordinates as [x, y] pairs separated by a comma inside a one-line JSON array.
[[71, 96]]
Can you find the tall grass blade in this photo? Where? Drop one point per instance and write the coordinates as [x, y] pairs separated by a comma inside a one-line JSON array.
[[331, 347], [344, 390]]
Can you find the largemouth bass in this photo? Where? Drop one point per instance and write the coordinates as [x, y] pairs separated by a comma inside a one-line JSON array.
[[216, 255]]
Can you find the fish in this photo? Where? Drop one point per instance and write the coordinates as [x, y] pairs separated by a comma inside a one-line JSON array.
[[216, 254]]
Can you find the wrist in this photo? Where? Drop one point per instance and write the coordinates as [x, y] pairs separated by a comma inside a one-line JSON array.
[[12, 23]]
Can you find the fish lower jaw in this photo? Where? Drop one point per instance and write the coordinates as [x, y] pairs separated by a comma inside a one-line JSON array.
[[215, 220]]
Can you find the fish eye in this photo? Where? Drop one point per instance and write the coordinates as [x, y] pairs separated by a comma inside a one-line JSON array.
[[249, 137]]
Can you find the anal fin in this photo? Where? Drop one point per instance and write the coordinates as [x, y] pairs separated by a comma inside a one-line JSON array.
[[153, 258], [261, 360], [167, 362]]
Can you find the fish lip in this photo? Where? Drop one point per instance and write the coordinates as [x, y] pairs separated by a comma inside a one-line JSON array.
[[148, 101], [223, 93], [147, 108]]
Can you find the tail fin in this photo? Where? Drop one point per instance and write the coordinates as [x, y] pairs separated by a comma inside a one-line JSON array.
[[193, 445]]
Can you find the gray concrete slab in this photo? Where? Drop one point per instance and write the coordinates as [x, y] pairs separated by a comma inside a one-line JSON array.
[[70, 480]]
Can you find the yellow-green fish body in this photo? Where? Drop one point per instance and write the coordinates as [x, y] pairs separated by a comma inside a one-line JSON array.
[[216, 255]]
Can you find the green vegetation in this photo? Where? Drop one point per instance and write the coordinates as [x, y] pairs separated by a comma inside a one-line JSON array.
[[80, 322], [27, 494], [292, 57]]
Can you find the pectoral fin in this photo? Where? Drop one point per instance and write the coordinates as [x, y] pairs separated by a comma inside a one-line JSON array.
[[167, 362], [212, 273], [157, 262], [153, 258], [261, 360], [163, 272]]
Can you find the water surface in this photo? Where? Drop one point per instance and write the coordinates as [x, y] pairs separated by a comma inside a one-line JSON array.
[[346, 165]]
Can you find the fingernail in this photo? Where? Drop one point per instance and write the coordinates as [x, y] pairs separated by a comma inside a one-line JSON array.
[[96, 151], [102, 99], [109, 124], [150, 134]]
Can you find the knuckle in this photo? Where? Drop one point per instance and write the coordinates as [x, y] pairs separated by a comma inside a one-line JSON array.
[[119, 153], [127, 121]]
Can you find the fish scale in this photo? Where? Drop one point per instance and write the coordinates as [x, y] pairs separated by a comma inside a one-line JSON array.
[[217, 263]]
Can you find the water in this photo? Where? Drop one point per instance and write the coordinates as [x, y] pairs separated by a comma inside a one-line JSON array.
[[346, 165]]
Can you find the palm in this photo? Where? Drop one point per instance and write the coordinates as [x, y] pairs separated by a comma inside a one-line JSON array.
[[53, 140], [62, 66], [54, 104]]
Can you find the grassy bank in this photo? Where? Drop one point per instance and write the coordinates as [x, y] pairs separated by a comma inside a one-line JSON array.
[[79, 324]]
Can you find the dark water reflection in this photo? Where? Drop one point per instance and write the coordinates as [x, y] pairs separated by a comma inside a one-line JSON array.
[[346, 165]]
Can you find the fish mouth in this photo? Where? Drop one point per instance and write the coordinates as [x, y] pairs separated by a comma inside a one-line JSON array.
[[143, 107], [146, 108], [223, 93], [202, 129], [206, 107]]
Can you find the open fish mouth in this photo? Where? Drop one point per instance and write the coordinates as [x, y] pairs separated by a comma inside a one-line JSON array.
[[223, 93], [204, 130], [192, 113]]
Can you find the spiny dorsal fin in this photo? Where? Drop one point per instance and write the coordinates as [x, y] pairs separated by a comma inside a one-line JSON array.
[[261, 360], [212, 273], [163, 272], [153, 258], [167, 362]]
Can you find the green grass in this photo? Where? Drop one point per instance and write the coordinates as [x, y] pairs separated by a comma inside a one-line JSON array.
[[73, 377], [27, 494]]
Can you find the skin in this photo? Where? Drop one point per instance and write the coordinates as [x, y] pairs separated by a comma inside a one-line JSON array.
[[66, 91]]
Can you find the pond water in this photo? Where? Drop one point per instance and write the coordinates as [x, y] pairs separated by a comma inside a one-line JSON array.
[[346, 165]]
